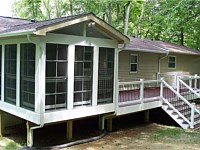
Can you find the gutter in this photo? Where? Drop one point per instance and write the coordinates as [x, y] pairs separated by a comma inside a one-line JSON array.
[[142, 50], [41, 106], [27, 32]]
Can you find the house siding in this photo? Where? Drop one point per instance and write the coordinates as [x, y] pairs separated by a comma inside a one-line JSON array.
[[186, 64], [147, 66]]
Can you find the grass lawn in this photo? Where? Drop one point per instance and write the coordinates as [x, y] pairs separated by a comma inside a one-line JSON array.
[[8, 144]]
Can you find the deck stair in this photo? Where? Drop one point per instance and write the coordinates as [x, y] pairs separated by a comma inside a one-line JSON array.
[[179, 108]]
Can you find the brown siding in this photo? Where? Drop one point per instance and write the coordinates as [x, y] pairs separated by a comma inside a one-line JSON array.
[[147, 66]]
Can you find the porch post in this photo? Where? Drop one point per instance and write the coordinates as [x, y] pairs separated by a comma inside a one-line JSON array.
[[141, 90], [192, 115], [95, 76], [71, 58], [1, 124], [69, 130], [18, 77]]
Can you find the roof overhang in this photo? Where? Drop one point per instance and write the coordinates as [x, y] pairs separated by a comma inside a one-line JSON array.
[[100, 24], [17, 33], [145, 50]]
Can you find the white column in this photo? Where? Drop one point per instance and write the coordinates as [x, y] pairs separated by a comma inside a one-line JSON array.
[[18, 76], [141, 90], [40, 67], [70, 92], [2, 72], [116, 80], [95, 76]]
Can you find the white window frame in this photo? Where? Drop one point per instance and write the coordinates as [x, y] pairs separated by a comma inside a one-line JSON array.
[[133, 63], [171, 62]]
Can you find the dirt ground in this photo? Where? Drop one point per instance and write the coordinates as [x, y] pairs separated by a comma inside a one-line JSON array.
[[129, 133], [144, 137]]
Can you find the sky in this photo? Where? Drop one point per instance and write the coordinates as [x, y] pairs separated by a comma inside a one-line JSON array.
[[5, 7]]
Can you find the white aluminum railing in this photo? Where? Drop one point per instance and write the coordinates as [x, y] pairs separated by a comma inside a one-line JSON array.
[[170, 99], [138, 91]]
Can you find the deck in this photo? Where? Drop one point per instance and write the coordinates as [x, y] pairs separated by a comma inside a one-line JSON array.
[[137, 97]]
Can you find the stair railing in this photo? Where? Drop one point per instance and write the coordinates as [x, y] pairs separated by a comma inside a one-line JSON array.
[[181, 83], [173, 98]]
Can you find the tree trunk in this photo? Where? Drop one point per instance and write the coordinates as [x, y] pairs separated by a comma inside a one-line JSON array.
[[182, 37], [127, 17], [109, 14], [139, 22], [118, 9], [46, 5], [71, 7]]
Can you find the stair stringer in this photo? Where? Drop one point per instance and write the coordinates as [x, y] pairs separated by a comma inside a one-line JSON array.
[[175, 114]]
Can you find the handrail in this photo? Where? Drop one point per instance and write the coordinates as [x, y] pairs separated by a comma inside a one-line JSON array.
[[191, 122], [189, 88], [185, 77], [179, 95], [138, 82]]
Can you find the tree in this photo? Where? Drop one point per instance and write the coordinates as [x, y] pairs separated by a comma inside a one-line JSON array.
[[176, 21]]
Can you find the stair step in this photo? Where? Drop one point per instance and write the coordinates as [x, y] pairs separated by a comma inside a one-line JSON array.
[[197, 126]]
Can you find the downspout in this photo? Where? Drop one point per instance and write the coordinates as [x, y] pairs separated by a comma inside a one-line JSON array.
[[41, 108], [159, 62]]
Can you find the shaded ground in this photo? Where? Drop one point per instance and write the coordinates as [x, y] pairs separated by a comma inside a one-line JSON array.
[[129, 133], [146, 136]]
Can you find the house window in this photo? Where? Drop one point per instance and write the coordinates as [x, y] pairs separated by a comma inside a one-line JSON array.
[[105, 75], [27, 76], [133, 63], [83, 74], [10, 73], [172, 62], [56, 76]]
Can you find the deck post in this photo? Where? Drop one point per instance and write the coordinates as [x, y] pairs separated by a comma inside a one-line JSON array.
[[195, 81], [178, 85], [146, 116], [190, 81], [1, 124], [101, 123], [192, 115], [69, 130], [109, 124], [28, 137], [141, 90], [161, 87]]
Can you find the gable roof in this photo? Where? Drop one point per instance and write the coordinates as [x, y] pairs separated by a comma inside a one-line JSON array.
[[153, 46], [42, 27]]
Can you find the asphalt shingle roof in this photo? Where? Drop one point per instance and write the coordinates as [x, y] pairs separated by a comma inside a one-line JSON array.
[[9, 22], [159, 46], [28, 25]]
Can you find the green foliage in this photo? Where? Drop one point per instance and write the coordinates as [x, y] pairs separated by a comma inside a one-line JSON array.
[[176, 21]]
